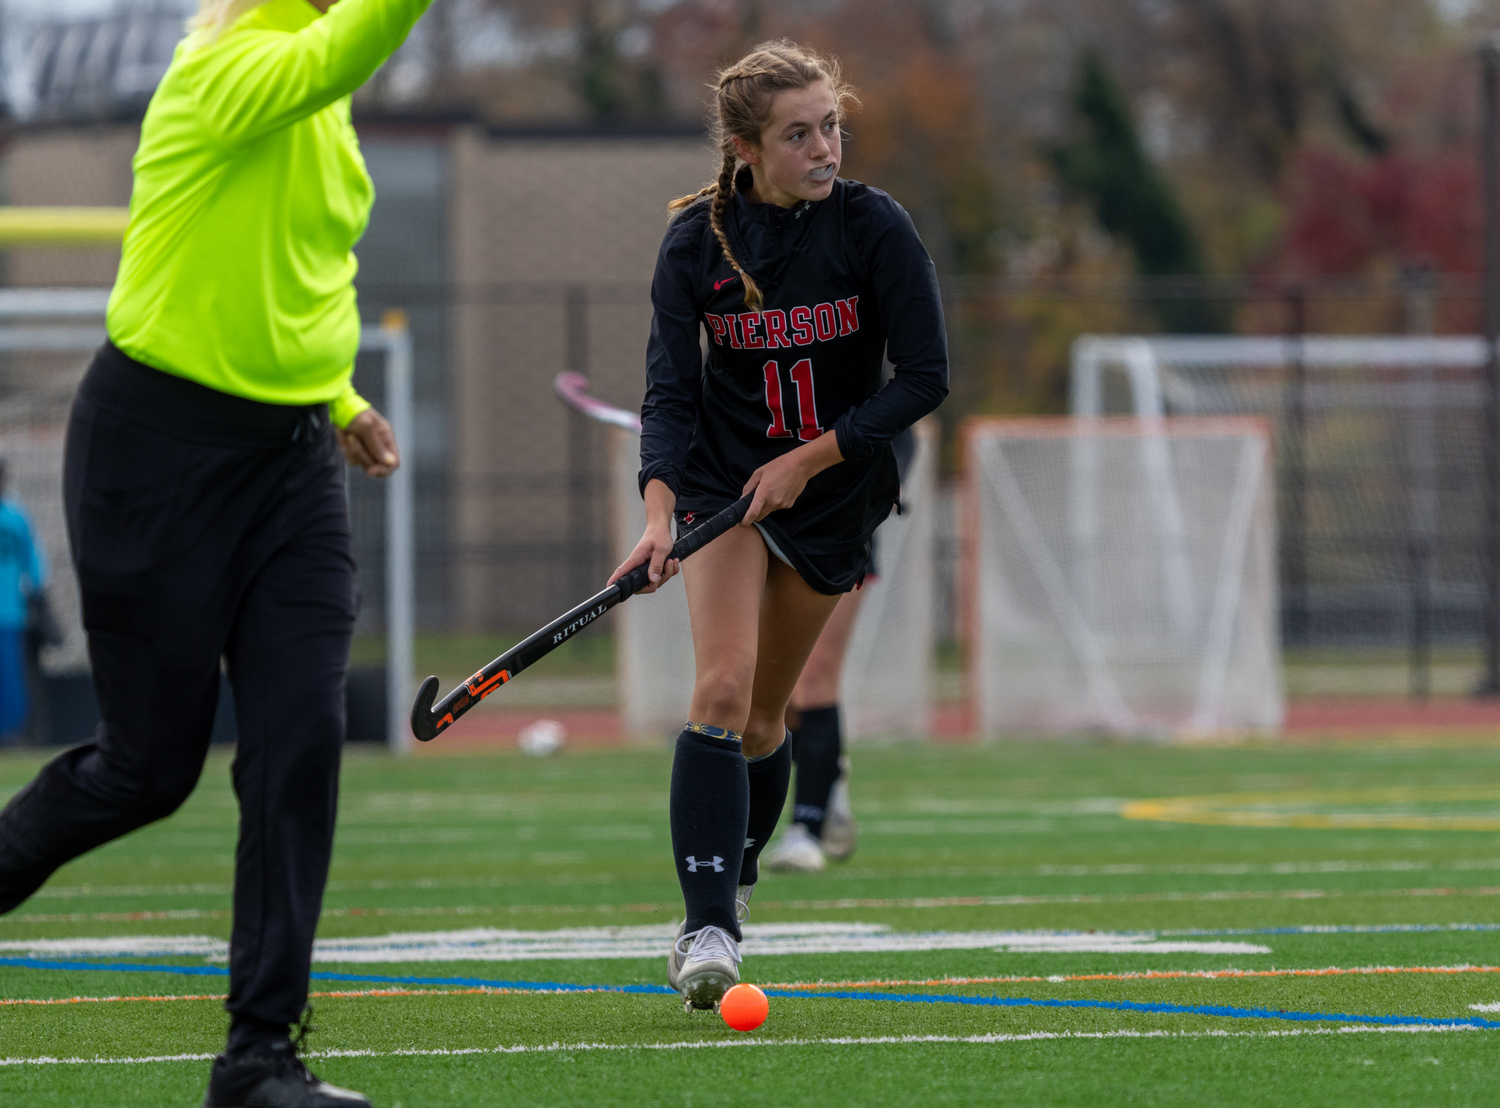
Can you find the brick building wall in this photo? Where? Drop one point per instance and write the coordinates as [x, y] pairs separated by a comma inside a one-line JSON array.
[[554, 243], [517, 255]]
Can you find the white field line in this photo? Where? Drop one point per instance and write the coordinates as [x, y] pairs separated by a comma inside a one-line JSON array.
[[1122, 869], [709, 1044], [1019, 900], [1337, 929], [1486, 1007], [488, 944]]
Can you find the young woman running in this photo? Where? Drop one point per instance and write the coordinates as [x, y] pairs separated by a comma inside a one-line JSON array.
[[802, 282]]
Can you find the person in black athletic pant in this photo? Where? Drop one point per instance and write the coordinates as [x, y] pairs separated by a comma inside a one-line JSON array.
[[802, 283], [823, 824], [204, 485]]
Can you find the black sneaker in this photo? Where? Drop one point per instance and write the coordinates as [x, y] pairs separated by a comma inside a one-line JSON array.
[[273, 1077]]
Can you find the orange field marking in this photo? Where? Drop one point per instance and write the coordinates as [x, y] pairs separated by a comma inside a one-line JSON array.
[[1144, 975], [1138, 975], [225, 996]]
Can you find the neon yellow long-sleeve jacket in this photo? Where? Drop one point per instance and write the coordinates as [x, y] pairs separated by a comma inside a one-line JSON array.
[[250, 193]]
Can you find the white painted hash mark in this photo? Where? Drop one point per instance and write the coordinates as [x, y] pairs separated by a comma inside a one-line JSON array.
[[709, 1044], [489, 944], [1486, 1007]]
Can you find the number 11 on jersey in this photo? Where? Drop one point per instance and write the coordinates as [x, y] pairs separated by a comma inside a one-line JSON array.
[[807, 411]]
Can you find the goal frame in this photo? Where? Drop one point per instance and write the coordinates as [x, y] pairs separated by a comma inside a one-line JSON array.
[[1152, 436], [1140, 358]]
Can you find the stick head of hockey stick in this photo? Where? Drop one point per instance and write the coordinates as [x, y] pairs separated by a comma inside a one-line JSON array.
[[424, 723]]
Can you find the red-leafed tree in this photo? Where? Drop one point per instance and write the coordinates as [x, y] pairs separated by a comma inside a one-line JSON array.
[[1347, 216]]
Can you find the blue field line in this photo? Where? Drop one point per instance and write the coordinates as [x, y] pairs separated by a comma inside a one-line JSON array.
[[366, 978], [797, 994], [1135, 1006], [1329, 929]]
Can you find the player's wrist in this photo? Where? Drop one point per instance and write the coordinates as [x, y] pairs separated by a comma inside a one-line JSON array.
[[812, 458], [660, 500]]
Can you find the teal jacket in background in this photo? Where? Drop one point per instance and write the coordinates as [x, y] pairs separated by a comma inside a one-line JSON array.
[[23, 569]]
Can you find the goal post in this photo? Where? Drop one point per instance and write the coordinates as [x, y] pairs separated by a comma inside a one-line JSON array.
[[393, 339], [1120, 575], [887, 670], [1380, 445]]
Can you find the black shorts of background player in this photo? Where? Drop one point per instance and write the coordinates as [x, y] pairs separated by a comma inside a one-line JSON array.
[[823, 824], [804, 283]]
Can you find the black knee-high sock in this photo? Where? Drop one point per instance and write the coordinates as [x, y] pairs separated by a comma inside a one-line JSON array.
[[769, 777], [818, 742], [710, 808]]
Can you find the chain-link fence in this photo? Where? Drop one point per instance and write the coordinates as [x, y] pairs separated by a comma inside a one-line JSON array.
[[1355, 475]]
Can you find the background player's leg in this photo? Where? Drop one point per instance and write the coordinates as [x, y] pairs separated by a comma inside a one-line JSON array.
[[770, 774], [146, 573], [710, 799], [792, 616], [287, 655], [818, 738]]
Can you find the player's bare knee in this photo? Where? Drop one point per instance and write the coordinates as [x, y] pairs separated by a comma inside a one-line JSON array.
[[722, 698]]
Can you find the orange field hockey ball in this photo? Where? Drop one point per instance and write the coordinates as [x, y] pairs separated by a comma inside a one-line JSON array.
[[744, 1007]]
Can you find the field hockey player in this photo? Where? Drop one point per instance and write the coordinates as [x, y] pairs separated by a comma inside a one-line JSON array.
[[803, 283]]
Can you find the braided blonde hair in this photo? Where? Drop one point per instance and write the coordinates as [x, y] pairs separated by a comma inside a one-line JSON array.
[[217, 16], [743, 96]]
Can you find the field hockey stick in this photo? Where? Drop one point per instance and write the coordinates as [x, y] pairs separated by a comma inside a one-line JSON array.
[[574, 390], [427, 721]]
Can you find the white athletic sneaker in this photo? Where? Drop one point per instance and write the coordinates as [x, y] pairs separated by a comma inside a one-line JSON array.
[[840, 832], [796, 852], [742, 896], [703, 966]]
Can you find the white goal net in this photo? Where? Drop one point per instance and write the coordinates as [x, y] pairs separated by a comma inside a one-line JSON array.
[[887, 669], [1380, 443], [1121, 575]]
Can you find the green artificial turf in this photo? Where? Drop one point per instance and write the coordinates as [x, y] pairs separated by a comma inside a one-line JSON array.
[[1005, 837]]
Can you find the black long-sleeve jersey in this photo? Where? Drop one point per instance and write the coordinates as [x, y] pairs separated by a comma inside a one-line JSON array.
[[846, 282]]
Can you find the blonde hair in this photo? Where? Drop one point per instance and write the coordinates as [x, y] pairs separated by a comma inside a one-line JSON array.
[[743, 96], [217, 16]]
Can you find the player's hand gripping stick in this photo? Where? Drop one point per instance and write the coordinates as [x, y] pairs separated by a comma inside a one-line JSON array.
[[427, 721]]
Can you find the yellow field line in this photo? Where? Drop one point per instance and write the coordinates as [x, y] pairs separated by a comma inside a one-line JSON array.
[[1277, 809]]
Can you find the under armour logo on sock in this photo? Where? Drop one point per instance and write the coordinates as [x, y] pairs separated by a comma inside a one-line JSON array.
[[749, 842], [693, 864]]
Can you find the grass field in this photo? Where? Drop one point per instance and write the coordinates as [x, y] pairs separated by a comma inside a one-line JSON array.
[[1017, 928]]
